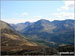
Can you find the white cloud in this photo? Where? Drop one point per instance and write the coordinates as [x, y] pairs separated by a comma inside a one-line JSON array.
[[67, 6], [64, 15], [64, 11]]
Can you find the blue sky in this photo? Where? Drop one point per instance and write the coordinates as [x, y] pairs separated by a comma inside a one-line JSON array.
[[22, 11]]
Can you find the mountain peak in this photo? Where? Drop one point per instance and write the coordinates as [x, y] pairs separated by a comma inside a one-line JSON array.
[[43, 20]]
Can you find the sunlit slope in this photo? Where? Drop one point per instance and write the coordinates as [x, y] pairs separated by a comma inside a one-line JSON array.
[[9, 37]]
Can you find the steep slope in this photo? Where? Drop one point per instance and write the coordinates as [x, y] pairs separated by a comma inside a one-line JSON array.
[[10, 37]]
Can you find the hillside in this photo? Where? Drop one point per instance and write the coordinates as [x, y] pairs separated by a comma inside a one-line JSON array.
[[10, 37]]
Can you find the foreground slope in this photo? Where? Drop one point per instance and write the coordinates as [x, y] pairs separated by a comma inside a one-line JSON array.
[[10, 37]]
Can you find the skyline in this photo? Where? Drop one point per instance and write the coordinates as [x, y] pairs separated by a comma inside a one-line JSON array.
[[22, 11]]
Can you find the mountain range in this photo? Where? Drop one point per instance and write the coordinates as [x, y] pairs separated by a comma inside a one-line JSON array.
[[49, 33]]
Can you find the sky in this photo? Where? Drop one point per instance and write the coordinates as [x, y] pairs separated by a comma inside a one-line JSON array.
[[22, 11]]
